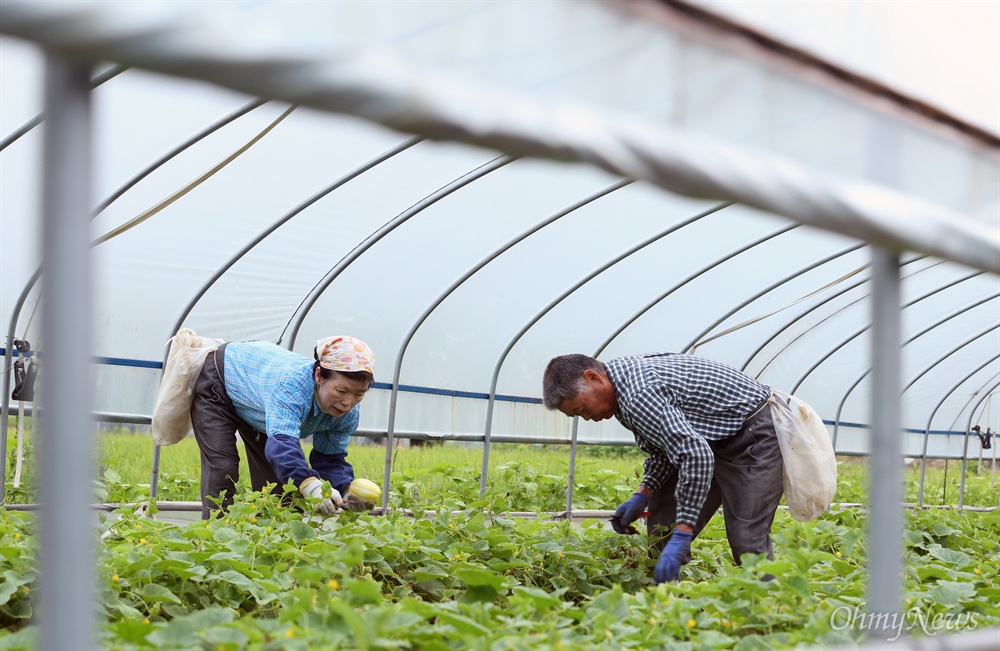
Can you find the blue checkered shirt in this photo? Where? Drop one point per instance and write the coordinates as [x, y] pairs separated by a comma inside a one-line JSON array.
[[273, 390], [674, 404]]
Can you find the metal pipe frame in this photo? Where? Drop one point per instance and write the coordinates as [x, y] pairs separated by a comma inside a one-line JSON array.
[[510, 345], [67, 611], [885, 519], [307, 303], [440, 299], [358, 171], [930, 419], [381, 85], [697, 341], [826, 318], [672, 160], [939, 322], [23, 297], [574, 432], [370, 241], [965, 447], [954, 421], [98, 79], [954, 349], [865, 329], [494, 379]]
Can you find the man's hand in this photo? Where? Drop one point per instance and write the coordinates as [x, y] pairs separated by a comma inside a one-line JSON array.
[[312, 487], [676, 553], [629, 512]]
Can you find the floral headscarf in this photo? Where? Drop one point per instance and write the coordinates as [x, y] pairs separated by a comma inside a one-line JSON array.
[[345, 354]]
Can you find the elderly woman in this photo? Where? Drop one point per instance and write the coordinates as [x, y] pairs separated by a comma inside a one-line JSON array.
[[274, 398]]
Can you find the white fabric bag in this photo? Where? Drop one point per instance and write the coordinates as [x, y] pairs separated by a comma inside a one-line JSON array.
[[810, 465], [172, 410]]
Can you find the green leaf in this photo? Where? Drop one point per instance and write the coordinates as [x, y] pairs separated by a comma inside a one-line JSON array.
[[226, 535], [361, 592], [949, 593], [428, 572], [301, 531], [961, 559], [156, 592], [540, 600], [473, 576], [479, 593], [225, 635], [234, 577], [463, 624]]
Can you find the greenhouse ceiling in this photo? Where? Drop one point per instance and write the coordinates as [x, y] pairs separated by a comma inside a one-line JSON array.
[[500, 183]]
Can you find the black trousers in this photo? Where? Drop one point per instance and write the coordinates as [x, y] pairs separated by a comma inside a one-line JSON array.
[[747, 483], [216, 424]]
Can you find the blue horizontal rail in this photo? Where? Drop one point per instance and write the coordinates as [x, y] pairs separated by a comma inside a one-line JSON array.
[[476, 395]]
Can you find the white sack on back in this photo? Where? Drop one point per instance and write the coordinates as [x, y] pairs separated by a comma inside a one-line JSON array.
[[810, 465], [172, 410]]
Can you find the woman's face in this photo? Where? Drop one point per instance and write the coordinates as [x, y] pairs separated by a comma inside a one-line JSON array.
[[337, 394]]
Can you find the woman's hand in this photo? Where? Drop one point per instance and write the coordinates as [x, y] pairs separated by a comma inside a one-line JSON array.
[[312, 489]]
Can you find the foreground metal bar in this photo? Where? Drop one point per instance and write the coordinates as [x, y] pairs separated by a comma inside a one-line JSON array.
[[382, 85], [885, 520], [985, 639], [67, 610], [114, 196]]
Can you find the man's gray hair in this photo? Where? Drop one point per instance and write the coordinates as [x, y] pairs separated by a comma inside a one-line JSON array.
[[563, 378]]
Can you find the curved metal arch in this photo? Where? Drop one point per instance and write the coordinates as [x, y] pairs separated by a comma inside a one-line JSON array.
[[16, 314], [815, 307], [97, 80], [965, 447], [953, 315], [632, 319], [154, 480], [397, 370], [861, 331], [310, 299], [494, 379], [343, 180], [697, 341], [954, 422], [955, 349], [201, 135], [510, 345], [930, 419]]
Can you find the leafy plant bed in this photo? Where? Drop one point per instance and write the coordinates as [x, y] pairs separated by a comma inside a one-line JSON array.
[[261, 577]]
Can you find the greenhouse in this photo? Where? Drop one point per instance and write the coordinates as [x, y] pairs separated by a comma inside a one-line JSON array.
[[473, 189]]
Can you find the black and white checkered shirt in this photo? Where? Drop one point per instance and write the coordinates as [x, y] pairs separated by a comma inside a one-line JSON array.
[[674, 404]]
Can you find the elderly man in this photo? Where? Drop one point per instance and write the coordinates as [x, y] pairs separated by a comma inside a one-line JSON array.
[[708, 432], [274, 398]]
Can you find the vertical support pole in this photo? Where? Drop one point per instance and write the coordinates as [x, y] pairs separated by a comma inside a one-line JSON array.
[[387, 471], [965, 463], [572, 469], [154, 479], [923, 466], [487, 442], [65, 431], [885, 520]]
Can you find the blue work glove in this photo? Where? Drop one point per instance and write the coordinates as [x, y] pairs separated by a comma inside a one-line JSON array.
[[629, 512], [676, 553]]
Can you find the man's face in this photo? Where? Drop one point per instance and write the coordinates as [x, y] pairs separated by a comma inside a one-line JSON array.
[[596, 402], [338, 395]]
